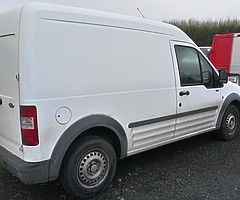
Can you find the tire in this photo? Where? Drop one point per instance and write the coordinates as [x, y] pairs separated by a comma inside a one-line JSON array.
[[230, 124], [88, 167]]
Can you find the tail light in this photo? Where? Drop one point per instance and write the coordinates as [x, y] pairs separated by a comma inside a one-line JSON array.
[[29, 127]]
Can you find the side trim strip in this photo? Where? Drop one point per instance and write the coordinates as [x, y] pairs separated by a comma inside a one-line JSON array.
[[7, 35], [161, 119]]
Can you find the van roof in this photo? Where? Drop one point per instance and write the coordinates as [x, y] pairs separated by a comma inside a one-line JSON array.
[[81, 15]]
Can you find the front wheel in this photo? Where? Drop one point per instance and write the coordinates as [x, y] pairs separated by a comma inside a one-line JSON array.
[[230, 124], [89, 167]]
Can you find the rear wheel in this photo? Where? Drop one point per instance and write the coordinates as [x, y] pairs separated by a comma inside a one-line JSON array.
[[230, 124], [89, 167]]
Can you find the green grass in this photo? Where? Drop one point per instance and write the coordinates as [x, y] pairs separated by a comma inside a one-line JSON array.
[[202, 32]]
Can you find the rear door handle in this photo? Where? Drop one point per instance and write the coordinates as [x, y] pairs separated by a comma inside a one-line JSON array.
[[182, 93]]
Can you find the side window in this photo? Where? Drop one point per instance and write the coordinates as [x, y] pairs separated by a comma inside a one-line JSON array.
[[193, 67], [189, 67], [207, 70]]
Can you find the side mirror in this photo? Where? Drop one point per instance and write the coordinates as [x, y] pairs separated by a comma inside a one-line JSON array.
[[223, 77]]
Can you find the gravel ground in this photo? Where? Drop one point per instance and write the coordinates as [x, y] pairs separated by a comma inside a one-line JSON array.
[[197, 168]]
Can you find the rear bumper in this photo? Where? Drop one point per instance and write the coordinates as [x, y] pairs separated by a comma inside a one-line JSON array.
[[29, 173]]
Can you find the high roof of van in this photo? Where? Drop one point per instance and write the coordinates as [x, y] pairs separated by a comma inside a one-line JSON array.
[[87, 16]]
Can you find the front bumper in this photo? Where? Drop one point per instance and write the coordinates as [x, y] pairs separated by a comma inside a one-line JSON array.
[[27, 172]]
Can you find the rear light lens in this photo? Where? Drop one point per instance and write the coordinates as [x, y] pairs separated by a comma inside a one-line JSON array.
[[29, 127]]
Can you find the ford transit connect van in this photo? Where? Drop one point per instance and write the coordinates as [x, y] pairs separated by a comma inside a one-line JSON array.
[[81, 88]]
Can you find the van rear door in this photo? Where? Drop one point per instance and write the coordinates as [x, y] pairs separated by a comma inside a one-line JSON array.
[[10, 137]]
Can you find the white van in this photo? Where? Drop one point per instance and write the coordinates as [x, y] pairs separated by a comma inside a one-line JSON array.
[[80, 89]]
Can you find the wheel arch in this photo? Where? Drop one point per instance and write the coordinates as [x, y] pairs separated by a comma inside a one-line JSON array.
[[233, 99], [83, 127]]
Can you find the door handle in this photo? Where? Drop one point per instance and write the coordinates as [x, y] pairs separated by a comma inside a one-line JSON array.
[[182, 93]]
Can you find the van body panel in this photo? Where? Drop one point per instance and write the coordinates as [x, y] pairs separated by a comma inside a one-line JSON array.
[[235, 58], [130, 89], [200, 118], [10, 137]]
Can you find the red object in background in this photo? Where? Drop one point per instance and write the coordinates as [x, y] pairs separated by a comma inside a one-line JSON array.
[[221, 51]]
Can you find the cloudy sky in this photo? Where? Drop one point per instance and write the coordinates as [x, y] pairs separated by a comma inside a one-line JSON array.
[[152, 9]]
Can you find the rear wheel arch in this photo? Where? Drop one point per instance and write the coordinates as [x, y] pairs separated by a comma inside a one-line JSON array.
[[111, 130]]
